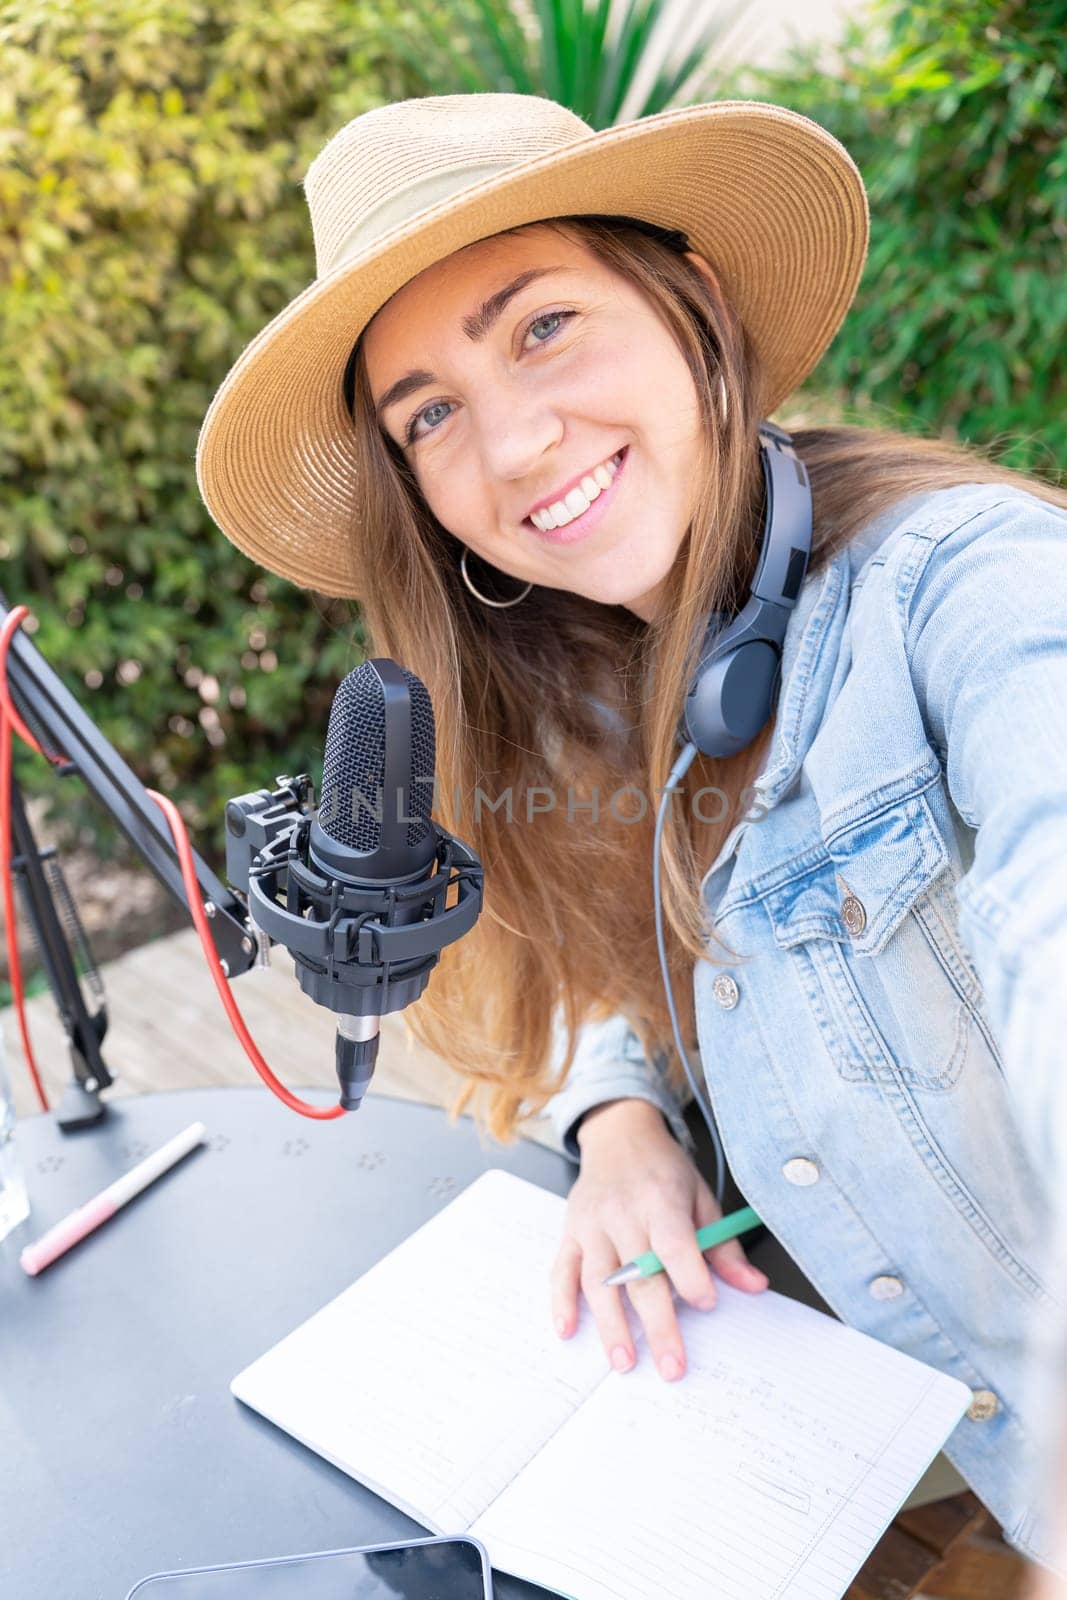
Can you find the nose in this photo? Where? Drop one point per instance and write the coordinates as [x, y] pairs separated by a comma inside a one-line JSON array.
[[517, 430]]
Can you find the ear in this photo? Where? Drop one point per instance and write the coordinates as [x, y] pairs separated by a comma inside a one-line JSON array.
[[707, 272]]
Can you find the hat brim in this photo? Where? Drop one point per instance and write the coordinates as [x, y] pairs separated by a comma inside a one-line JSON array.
[[771, 199]]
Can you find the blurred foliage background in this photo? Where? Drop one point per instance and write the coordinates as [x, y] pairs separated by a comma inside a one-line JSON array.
[[151, 158], [956, 115], [153, 221]]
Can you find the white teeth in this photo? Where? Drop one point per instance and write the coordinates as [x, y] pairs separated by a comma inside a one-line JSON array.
[[577, 500]]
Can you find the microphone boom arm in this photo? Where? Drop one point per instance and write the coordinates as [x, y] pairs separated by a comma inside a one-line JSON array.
[[63, 727], [51, 710]]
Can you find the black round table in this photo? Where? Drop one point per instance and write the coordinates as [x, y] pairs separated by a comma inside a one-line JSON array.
[[122, 1451]]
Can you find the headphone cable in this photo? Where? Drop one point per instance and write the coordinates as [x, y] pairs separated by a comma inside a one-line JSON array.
[[678, 771]]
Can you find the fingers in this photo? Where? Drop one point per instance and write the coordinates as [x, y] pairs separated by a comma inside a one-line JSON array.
[[607, 1304], [586, 1270], [728, 1260], [624, 1202], [673, 1238], [651, 1298], [686, 1270], [653, 1301], [564, 1283], [574, 1270], [734, 1267]]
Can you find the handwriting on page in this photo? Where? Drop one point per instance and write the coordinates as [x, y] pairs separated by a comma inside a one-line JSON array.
[[791, 1477], [438, 1374]]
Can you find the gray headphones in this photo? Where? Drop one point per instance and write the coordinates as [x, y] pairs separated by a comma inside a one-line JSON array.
[[736, 683]]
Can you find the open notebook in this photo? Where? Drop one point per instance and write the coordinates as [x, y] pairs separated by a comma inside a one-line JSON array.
[[768, 1471]]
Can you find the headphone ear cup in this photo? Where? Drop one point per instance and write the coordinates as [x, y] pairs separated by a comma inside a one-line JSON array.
[[728, 699]]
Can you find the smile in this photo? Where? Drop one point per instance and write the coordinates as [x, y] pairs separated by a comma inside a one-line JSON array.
[[567, 520]]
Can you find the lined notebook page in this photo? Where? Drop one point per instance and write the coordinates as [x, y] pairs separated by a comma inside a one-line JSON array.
[[767, 1473], [437, 1375]]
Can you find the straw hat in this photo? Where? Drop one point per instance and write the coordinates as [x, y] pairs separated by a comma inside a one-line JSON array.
[[771, 199]]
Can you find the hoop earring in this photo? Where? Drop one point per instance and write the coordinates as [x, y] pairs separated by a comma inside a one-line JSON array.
[[485, 601]]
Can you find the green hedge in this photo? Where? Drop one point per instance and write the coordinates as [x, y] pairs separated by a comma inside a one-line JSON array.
[[153, 222], [150, 163], [957, 117]]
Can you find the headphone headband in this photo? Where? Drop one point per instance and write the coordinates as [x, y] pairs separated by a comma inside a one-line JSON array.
[[738, 674]]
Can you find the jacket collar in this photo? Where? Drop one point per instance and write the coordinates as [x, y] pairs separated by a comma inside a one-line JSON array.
[[809, 654]]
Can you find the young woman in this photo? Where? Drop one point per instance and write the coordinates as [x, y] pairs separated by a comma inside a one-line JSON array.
[[517, 415]]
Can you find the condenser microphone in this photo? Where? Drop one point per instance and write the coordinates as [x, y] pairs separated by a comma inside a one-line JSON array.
[[356, 888], [372, 830]]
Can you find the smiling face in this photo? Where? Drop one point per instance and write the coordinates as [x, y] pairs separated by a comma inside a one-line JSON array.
[[522, 375]]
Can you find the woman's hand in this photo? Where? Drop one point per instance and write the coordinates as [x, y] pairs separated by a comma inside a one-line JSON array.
[[637, 1190]]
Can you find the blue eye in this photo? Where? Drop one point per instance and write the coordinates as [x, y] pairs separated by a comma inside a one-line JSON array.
[[557, 317], [549, 316], [409, 436]]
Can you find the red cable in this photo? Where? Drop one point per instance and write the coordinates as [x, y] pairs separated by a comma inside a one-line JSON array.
[[192, 892], [10, 719]]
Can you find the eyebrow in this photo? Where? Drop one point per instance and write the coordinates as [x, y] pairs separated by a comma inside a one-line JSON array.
[[475, 327]]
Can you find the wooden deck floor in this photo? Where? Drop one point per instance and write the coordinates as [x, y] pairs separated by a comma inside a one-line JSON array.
[[167, 1030]]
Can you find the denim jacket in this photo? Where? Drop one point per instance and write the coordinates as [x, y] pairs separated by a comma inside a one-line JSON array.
[[887, 1060]]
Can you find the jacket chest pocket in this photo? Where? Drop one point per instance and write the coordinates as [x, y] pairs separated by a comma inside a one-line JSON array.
[[870, 922]]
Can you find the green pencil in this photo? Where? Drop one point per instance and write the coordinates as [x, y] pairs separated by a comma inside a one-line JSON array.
[[715, 1233]]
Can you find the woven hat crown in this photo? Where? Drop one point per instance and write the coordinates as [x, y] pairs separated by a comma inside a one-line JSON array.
[[387, 165]]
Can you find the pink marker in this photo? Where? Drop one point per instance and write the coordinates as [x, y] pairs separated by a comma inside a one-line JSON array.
[[35, 1257]]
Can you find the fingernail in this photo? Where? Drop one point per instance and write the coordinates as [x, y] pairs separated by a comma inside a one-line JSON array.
[[621, 1359], [669, 1367], [757, 1276], [708, 1303], [561, 1327]]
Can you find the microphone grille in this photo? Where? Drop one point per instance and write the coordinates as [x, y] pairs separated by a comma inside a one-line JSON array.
[[423, 758], [353, 769]]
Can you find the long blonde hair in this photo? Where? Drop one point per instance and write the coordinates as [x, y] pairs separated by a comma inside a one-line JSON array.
[[580, 699]]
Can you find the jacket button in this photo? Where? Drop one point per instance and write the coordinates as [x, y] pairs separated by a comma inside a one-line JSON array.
[[800, 1171], [984, 1404], [853, 915], [725, 991], [885, 1288]]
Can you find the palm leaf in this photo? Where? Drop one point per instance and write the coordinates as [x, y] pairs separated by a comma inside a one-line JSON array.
[[671, 81], [587, 55], [441, 63], [508, 44], [550, 24], [639, 20]]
